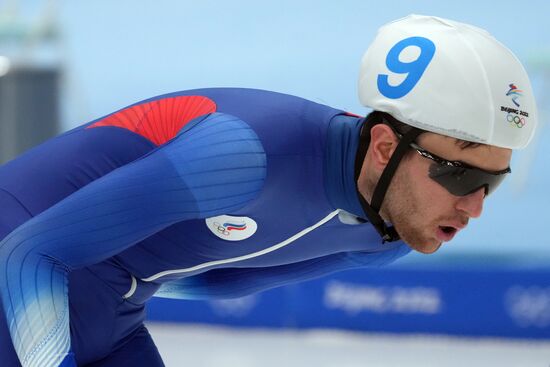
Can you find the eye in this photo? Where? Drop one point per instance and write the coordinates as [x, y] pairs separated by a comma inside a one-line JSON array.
[[459, 173]]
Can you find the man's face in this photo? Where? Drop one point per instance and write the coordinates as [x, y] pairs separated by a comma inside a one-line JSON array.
[[422, 211]]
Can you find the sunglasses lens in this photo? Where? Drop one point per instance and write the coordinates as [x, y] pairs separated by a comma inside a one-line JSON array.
[[461, 181]]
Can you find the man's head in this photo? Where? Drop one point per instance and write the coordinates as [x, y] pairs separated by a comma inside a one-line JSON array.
[[467, 102], [423, 211]]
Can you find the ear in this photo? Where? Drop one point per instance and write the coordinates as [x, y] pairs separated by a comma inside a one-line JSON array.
[[383, 143]]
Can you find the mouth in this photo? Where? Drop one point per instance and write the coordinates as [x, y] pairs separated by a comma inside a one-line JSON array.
[[448, 229], [446, 233]]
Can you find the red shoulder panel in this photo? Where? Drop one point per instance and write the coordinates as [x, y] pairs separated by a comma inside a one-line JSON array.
[[160, 120], [352, 114]]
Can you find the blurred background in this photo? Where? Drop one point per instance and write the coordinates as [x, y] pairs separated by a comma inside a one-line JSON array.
[[483, 299]]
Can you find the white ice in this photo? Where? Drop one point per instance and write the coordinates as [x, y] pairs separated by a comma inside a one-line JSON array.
[[207, 346]]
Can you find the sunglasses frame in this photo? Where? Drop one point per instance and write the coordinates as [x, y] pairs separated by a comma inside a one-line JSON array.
[[444, 162], [447, 163]]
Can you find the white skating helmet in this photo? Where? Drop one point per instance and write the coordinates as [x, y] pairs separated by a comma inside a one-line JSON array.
[[449, 78]]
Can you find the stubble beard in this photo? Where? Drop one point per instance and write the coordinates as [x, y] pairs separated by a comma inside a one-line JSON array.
[[402, 208]]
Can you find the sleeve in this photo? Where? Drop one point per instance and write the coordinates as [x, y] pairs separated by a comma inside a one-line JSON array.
[[239, 282], [216, 165]]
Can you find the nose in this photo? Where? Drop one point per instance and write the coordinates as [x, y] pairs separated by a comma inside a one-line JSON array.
[[472, 204]]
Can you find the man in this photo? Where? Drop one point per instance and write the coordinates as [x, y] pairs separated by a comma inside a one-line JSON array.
[[223, 192]]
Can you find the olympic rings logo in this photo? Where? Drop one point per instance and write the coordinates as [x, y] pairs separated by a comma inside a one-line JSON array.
[[516, 120], [221, 229]]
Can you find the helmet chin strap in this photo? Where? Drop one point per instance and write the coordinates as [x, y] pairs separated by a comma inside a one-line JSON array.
[[372, 210]]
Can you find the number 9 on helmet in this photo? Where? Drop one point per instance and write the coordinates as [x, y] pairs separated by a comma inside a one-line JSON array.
[[449, 78]]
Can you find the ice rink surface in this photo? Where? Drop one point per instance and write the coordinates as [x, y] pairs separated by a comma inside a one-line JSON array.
[[207, 346]]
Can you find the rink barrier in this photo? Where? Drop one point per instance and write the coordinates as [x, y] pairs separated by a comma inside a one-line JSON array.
[[510, 303]]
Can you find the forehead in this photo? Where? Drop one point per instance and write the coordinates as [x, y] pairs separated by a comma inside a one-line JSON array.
[[486, 157]]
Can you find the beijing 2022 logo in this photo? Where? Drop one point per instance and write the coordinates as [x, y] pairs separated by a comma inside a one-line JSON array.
[[232, 228], [515, 116], [514, 93]]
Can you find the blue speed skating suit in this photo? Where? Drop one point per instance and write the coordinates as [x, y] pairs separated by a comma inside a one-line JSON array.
[[195, 195]]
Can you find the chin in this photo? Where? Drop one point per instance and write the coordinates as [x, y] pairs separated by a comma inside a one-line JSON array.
[[428, 247], [419, 240]]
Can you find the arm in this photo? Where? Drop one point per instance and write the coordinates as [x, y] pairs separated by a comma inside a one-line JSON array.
[[179, 181], [239, 282]]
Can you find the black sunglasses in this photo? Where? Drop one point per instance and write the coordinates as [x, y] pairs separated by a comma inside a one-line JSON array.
[[457, 177]]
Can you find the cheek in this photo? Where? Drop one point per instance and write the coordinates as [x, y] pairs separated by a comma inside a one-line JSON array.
[[430, 196]]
